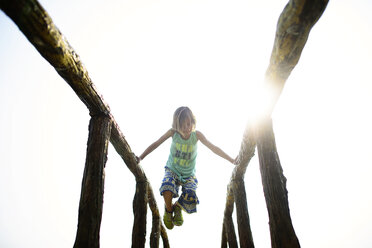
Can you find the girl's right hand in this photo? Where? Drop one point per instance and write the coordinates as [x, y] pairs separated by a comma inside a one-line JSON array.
[[138, 159], [237, 160]]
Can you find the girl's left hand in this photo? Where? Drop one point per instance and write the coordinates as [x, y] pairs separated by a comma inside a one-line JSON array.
[[138, 159]]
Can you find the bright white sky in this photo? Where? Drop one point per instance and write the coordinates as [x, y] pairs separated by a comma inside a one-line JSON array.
[[147, 58]]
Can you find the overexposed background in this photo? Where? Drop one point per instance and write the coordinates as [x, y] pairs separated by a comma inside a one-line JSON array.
[[149, 57]]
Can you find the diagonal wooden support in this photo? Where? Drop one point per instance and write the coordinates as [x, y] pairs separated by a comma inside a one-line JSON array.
[[236, 193], [38, 27], [293, 29], [123, 149], [92, 189]]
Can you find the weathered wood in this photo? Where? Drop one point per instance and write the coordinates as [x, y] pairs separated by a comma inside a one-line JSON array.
[[36, 24], [274, 185], [39, 29], [242, 216], [155, 232], [293, 28], [156, 222], [294, 25], [224, 237], [123, 149], [228, 234], [236, 193], [164, 237], [91, 200], [140, 215]]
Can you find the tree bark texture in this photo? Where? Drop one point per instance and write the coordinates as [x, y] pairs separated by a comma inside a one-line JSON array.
[[228, 229], [91, 200], [156, 222], [242, 216], [164, 237], [140, 215], [224, 236], [275, 191], [293, 29], [38, 27], [236, 193], [294, 25]]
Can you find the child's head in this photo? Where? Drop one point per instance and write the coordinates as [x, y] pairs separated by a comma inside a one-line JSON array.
[[181, 116]]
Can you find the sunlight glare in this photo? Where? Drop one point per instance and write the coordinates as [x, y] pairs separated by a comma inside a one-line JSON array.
[[260, 102]]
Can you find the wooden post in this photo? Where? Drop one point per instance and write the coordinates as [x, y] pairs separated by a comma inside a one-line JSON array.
[[156, 222], [39, 28], [228, 229], [274, 185], [242, 216], [91, 200], [140, 214], [236, 193]]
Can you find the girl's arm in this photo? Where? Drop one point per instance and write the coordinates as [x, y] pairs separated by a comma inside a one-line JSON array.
[[155, 145], [213, 148]]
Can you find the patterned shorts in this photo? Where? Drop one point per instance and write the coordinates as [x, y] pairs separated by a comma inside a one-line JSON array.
[[188, 199]]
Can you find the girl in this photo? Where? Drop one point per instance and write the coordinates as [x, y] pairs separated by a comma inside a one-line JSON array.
[[180, 167]]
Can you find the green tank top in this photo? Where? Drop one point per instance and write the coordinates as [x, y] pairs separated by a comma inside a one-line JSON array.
[[182, 155]]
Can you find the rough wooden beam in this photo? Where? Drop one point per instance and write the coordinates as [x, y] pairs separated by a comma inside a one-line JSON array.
[[123, 149], [91, 200], [38, 27], [242, 216], [228, 229], [156, 221], [293, 29], [275, 191], [224, 236], [164, 237], [140, 215], [236, 193]]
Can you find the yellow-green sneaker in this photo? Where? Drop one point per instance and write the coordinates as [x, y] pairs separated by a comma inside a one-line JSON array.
[[178, 219], [168, 219]]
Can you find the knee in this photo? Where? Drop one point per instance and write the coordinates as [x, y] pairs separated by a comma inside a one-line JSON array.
[[168, 193]]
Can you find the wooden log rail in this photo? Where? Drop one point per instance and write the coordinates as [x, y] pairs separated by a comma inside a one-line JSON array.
[[293, 28], [38, 27]]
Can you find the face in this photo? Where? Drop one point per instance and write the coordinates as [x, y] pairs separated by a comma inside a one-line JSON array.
[[186, 127]]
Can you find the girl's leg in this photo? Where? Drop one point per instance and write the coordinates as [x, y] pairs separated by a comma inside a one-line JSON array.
[[168, 213], [188, 199], [168, 189], [168, 196]]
